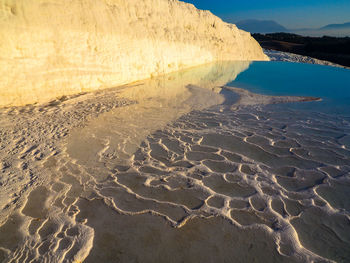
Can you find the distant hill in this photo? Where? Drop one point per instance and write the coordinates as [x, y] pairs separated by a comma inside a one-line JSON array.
[[334, 49], [261, 26], [336, 26]]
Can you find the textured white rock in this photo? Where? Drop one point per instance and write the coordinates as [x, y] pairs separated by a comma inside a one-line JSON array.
[[50, 48], [275, 55]]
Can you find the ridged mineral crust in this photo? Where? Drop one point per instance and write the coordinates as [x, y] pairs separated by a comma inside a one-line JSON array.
[[50, 48]]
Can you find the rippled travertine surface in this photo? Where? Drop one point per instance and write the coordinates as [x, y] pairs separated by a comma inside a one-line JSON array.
[[178, 169]]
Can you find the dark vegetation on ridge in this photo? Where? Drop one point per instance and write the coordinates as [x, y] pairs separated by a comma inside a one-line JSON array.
[[333, 49]]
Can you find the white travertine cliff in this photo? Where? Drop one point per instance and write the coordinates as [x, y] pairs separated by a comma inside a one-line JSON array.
[[50, 48]]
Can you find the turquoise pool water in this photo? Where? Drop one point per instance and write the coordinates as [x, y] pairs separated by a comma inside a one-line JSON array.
[[283, 78]]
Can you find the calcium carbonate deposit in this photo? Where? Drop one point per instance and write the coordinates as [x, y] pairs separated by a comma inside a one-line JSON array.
[[50, 48], [179, 160], [173, 168]]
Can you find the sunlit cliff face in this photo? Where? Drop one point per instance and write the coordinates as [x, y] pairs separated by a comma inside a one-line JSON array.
[[54, 48]]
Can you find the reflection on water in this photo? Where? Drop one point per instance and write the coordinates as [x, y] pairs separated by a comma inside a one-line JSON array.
[[179, 174], [159, 102]]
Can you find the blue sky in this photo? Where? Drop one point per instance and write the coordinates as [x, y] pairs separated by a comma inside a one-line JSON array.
[[290, 13]]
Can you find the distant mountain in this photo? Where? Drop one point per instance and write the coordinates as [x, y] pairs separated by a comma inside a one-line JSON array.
[[270, 26], [261, 26], [335, 30], [336, 26]]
